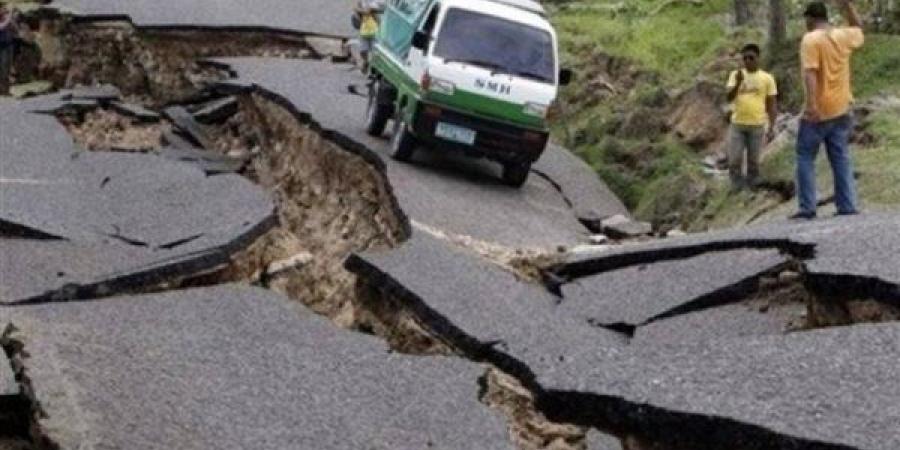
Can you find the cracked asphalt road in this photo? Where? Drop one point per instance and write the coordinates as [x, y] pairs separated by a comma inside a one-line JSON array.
[[449, 192], [234, 367]]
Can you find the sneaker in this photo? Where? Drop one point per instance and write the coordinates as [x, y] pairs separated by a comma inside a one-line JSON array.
[[802, 216], [848, 213]]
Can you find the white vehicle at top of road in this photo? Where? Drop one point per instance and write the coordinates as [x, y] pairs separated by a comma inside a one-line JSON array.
[[477, 76]]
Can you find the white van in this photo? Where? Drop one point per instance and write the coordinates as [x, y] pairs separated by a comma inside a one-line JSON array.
[[476, 76]]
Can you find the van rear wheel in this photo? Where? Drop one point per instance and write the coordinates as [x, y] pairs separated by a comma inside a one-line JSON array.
[[377, 112], [515, 174], [403, 143]]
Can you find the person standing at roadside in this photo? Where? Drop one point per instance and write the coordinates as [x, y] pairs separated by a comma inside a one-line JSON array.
[[752, 93], [369, 14], [825, 53], [7, 35]]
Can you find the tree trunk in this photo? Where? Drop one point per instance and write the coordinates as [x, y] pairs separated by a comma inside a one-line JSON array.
[[742, 13], [777, 23]]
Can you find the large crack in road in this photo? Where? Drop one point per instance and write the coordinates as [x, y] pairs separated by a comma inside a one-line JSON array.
[[483, 319]]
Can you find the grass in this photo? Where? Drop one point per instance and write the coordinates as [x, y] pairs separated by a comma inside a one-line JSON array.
[[660, 179], [661, 42], [876, 67]]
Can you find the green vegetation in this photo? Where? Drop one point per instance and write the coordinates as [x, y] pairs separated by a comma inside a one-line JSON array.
[[635, 58]]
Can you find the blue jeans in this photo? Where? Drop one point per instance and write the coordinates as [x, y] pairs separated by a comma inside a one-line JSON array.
[[835, 134]]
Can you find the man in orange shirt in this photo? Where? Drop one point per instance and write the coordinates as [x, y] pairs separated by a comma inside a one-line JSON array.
[[825, 58]]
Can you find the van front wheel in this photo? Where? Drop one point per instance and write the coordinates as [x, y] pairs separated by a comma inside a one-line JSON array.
[[377, 113], [403, 143], [515, 175]]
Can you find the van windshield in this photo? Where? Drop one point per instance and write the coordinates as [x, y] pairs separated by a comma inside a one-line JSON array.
[[498, 44]]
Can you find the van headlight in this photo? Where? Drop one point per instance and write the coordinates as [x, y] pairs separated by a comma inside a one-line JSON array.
[[441, 86], [536, 109]]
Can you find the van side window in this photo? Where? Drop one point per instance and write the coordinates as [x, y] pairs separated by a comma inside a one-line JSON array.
[[431, 20]]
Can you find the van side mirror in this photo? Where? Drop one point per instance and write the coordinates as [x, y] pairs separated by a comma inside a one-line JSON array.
[[420, 40], [565, 77]]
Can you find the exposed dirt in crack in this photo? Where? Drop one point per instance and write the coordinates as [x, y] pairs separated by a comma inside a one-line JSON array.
[[150, 66], [103, 129], [384, 315], [19, 429], [330, 202], [528, 428]]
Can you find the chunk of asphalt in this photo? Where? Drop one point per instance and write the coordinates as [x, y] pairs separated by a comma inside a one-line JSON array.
[[596, 440], [141, 197], [188, 127], [137, 112], [61, 270], [641, 293], [217, 111], [210, 162], [620, 226], [238, 367], [827, 389], [104, 93], [483, 310]]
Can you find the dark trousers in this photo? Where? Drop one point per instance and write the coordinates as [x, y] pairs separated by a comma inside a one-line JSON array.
[[835, 134]]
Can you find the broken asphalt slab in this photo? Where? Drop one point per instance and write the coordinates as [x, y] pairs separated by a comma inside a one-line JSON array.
[[450, 192], [862, 252], [793, 390], [481, 309], [143, 200], [128, 220], [827, 389], [325, 17], [237, 367], [635, 295]]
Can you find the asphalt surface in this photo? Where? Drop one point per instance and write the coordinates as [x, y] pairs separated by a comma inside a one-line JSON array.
[[862, 250], [832, 386], [444, 191], [642, 293], [108, 222], [481, 307], [710, 375], [325, 17], [234, 367]]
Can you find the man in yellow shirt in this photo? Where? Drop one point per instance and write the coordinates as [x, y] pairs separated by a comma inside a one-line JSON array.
[[752, 93], [825, 58]]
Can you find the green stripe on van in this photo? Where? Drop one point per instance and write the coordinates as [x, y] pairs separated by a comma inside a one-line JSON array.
[[487, 107]]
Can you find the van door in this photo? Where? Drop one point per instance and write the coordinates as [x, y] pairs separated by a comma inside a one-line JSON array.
[[417, 61]]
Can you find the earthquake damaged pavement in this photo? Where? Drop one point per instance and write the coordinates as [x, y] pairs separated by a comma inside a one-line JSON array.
[[95, 223], [237, 367], [699, 383], [449, 192]]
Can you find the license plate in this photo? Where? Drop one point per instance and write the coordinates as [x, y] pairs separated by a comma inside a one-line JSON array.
[[455, 133]]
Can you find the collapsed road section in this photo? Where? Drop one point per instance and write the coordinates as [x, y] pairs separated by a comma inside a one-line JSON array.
[[699, 323]]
